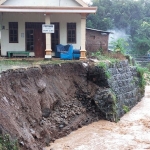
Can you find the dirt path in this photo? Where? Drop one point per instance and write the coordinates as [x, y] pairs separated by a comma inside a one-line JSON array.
[[132, 132]]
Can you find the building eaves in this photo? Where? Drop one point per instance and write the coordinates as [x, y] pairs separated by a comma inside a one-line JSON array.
[[43, 9], [102, 31], [78, 1]]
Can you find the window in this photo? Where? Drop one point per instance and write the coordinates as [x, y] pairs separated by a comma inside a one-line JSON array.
[[13, 32], [71, 32]]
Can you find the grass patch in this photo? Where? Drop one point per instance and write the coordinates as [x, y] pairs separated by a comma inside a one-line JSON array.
[[103, 57], [143, 74], [24, 63], [125, 108], [103, 65], [29, 62], [7, 144]]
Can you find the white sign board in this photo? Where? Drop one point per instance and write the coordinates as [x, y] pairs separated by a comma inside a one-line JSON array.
[[47, 28]]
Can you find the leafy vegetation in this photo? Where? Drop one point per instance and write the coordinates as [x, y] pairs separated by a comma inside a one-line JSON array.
[[130, 60], [7, 144], [120, 45], [144, 76], [125, 108], [103, 57], [130, 15], [104, 61], [104, 66]]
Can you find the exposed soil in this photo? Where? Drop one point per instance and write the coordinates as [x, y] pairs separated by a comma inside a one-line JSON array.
[[41, 104], [44, 103]]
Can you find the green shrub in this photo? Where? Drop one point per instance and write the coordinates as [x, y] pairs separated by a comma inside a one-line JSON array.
[[120, 45], [7, 144], [148, 67], [143, 77], [125, 108], [104, 57], [104, 66], [97, 55]]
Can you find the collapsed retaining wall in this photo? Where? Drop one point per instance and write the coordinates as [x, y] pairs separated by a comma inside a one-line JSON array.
[[40, 104]]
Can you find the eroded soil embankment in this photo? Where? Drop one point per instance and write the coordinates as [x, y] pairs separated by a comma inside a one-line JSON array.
[[39, 105]]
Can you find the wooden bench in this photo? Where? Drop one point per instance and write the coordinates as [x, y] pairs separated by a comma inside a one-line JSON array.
[[9, 53]]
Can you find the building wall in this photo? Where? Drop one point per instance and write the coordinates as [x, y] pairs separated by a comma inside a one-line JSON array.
[[21, 18], [41, 3], [0, 24], [96, 40]]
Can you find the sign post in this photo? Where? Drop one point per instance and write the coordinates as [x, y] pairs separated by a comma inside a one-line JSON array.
[[48, 28]]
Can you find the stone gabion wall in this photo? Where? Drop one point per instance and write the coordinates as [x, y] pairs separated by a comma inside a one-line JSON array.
[[124, 82], [119, 90]]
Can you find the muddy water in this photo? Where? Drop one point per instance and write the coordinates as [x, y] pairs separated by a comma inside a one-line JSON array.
[[132, 132]]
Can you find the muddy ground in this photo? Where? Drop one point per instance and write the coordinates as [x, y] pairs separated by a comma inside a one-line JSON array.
[[41, 104]]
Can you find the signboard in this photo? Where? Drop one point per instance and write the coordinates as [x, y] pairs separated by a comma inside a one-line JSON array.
[[47, 28]]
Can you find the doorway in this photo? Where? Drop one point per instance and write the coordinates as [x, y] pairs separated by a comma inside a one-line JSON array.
[[36, 40], [55, 37]]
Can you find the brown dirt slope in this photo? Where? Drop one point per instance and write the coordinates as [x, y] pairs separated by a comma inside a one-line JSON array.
[[41, 104]]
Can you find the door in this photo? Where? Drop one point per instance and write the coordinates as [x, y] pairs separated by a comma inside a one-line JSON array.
[[55, 38], [35, 39], [30, 40], [39, 43]]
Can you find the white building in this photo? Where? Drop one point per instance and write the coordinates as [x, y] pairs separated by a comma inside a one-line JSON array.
[[21, 22]]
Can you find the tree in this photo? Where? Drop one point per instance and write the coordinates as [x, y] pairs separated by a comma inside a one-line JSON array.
[[142, 38], [129, 15]]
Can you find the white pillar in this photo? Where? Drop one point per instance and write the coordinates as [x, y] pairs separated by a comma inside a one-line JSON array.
[[48, 51], [83, 36]]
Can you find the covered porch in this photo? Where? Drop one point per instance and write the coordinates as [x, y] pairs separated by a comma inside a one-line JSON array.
[[69, 23]]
